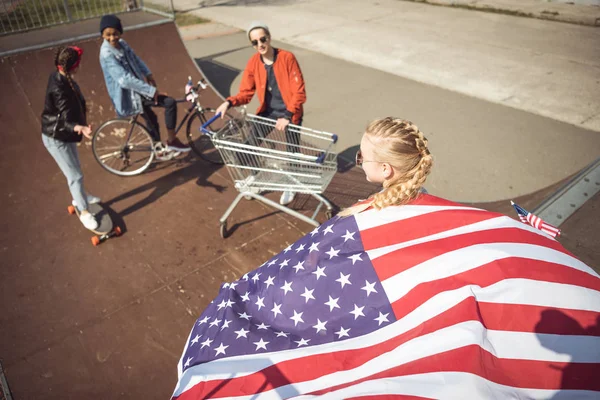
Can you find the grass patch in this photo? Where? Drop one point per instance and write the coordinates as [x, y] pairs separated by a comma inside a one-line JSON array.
[[181, 18], [186, 19]]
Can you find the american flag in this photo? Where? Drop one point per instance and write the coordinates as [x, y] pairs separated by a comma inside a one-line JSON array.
[[528, 218], [427, 300]]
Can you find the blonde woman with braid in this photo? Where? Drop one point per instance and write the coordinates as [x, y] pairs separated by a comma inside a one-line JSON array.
[[63, 124], [393, 152]]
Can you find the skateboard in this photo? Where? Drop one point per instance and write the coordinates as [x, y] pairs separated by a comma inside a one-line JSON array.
[[105, 229]]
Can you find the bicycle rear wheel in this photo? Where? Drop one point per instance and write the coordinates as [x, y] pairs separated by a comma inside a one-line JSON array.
[[123, 147], [201, 143]]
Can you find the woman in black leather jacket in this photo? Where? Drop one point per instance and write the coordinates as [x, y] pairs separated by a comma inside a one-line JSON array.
[[63, 123]]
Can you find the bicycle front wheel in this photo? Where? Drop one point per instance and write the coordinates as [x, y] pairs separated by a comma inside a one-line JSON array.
[[202, 144], [123, 147]]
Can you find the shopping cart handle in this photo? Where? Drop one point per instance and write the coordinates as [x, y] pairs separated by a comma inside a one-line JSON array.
[[207, 123], [334, 137]]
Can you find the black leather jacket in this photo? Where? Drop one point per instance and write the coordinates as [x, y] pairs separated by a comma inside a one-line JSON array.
[[63, 109]]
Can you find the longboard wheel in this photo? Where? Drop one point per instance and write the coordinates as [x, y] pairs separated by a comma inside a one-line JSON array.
[[95, 240], [118, 231], [71, 210]]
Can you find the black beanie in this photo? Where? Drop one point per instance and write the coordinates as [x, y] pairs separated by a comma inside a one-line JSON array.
[[110, 21]]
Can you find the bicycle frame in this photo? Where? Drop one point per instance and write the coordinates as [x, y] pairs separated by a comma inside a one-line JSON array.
[[194, 107]]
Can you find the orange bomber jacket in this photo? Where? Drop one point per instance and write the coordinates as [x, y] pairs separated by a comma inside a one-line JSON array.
[[289, 79]]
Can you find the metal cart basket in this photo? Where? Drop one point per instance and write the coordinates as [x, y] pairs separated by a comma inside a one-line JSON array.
[[261, 158]]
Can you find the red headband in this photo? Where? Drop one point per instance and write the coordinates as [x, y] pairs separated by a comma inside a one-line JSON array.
[[79, 54]]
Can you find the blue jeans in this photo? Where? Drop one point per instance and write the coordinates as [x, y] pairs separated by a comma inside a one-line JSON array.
[[66, 156]]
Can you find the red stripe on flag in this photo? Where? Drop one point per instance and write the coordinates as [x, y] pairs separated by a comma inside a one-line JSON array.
[[494, 272], [314, 366], [400, 260], [420, 226], [473, 359]]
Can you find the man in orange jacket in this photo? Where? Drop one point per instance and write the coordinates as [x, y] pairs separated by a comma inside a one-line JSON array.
[[275, 76]]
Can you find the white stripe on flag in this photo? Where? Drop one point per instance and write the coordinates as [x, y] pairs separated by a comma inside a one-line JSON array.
[[240, 366], [373, 218], [458, 336], [494, 223], [449, 385], [469, 258]]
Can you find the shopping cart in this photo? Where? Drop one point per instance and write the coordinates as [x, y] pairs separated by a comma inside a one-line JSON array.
[[261, 158]]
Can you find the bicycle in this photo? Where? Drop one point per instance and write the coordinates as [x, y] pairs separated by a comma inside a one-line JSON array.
[[125, 147]]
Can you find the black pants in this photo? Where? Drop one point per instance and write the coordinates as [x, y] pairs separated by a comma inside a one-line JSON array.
[[170, 106], [292, 138]]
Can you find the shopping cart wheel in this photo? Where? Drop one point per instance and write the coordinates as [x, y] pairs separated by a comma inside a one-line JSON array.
[[223, 230]]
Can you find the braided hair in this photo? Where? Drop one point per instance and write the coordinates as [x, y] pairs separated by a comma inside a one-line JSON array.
[[402, 145], [65, 59]]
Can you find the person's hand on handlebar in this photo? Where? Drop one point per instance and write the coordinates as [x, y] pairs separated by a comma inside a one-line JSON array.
[[223, 109]]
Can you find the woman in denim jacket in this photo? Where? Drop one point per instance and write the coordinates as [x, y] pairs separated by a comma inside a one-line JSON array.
[[131, 86]]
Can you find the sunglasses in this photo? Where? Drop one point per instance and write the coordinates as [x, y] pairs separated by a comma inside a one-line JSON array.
[[262, 40], [358, 159]]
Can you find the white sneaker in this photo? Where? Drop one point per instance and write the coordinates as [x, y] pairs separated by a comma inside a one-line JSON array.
[[88, 221], [93, 199], [90, 199], [287, 197]]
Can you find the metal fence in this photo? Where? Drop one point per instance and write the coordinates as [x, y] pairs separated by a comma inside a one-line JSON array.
[[23, 15]]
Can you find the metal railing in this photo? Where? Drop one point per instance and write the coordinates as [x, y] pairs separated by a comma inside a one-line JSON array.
[[24, 15]]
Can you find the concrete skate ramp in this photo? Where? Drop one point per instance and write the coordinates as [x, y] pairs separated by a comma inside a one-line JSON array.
[[110, 322]]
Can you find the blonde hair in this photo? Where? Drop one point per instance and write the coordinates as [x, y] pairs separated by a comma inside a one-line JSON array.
[[402, 145]]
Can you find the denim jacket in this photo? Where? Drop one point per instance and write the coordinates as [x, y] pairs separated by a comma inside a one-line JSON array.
[[124, 88]]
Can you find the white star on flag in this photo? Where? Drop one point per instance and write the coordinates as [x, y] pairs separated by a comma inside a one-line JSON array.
[[242, 333], [195, 340], [358, 311], [382, 318], [276, 309], [260, 302], [220, 349], [188, 361], [308, 294], [207, 342], [245, 297], [332, 303], [261, 344], [328, 229], [332, 253], [225, 324], [203, 321], [342, 332], [262, 326], [355, 258], [320, 326], [300, 248], [343, 280], [269, 281], [302, 342], [319, 272], [244, 316], [299, 266], [369, 288], [287, 287], [348, 236], [297, 318]]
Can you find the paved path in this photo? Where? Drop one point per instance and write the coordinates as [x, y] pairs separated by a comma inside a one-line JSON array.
[[544, 67]]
